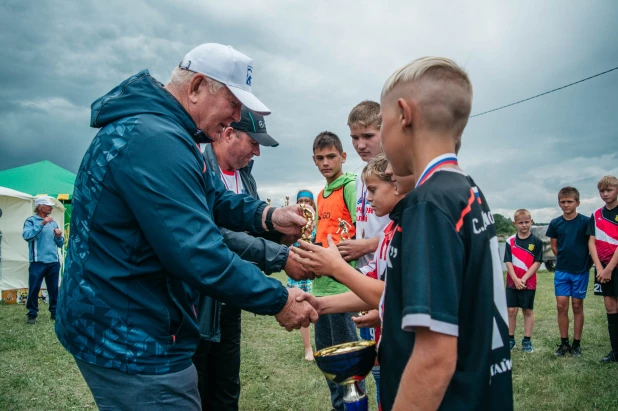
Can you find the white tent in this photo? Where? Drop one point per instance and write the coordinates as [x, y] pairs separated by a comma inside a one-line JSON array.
[[16, 207]]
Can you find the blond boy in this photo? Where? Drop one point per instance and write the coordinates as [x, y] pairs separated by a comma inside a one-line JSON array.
[[523, 255], [603, 245], [445, 315]]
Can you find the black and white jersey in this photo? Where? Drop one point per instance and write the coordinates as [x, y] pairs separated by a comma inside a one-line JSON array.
[[445, 274]]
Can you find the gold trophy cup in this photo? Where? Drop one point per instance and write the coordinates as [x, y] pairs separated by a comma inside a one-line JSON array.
[[348, 364]]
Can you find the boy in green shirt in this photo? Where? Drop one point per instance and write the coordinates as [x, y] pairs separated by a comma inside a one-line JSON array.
[[336, 211]]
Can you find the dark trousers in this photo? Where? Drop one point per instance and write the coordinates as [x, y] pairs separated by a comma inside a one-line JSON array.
[[333, 329], [37, 272], [218, 365], [118, 391]]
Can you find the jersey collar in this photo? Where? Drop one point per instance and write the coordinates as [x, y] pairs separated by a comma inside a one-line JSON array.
[[434, 165]]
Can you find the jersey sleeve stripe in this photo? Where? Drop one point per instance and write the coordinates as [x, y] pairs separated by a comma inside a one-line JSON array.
[[465, 211], [410, 321]]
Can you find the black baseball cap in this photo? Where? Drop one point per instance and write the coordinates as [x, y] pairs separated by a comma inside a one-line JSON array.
[[254, 125]]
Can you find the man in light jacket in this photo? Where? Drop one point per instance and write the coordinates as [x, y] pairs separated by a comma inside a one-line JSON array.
[[44, 238]]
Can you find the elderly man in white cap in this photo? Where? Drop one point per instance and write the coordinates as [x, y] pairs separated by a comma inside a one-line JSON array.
[[145, 240], [44, 238]]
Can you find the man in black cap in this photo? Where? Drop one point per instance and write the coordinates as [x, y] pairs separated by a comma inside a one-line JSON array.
[[217, 358]]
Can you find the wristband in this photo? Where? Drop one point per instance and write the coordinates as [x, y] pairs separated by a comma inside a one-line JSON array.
[[269, 219]]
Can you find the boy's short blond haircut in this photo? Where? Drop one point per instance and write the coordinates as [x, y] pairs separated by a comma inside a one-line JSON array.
[[377, 168], [607, 182], [521, 211], [447, 110], [568, 191], [365, 114]]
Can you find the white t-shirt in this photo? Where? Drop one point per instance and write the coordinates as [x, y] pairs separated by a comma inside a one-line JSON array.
[[368, 224], [232, 181]]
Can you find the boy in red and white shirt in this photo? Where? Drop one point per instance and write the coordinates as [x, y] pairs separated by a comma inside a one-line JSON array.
[[523, 256], [603, 245]]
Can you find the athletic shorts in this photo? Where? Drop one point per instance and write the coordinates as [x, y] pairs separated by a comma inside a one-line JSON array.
[[520, 298], [610, 288], [571, 285]]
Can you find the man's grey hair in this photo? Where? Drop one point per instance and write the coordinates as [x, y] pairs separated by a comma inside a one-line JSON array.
[[181, 77]]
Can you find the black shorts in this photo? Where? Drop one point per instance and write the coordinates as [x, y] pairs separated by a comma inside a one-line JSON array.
[[520, 298], [608, 289]]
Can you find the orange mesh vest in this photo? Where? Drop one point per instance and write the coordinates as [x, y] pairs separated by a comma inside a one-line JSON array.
[[330, 210]]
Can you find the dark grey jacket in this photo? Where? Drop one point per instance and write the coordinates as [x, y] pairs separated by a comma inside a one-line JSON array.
[[264, 251]]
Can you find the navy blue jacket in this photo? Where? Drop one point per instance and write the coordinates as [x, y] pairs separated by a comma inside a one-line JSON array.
[[263, 250], [144, 238]]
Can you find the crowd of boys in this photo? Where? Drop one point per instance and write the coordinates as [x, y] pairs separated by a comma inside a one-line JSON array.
[[577, 242]]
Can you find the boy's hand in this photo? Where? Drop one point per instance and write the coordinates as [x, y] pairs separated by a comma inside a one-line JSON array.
[[58, 232], [353, 249], [320, 260], [604, 275], [371, 319], [519, 284]]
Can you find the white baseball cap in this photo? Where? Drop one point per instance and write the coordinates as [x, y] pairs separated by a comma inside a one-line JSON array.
[[43, 201], [228, 66]]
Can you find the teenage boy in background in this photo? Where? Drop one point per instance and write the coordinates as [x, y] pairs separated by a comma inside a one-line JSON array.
[[445, 316], [603, 245], [523, 256], [335, 203], [569, 242]]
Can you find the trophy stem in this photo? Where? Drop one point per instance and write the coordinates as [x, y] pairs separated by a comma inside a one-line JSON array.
[[354, 398]]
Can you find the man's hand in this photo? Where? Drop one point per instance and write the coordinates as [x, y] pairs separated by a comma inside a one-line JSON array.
[[371, 319], [316, 302], [319, 260], [354, 249], [58, 232], [295, 270], [289, 220], [47, 219], [294, 314], [289, 239]]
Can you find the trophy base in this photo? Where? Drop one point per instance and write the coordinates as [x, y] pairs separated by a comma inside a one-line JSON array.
[[354, 398]]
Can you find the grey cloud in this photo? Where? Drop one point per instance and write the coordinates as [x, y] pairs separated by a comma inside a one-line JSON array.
[[314, 62]]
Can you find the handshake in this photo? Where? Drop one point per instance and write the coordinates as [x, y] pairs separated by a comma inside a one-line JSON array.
[[300, 310]]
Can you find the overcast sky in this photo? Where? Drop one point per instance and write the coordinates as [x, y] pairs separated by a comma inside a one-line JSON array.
[[315, 60]]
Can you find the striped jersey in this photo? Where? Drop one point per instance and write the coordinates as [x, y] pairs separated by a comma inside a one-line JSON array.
[[522, 253], [604, 227], [377, 266]]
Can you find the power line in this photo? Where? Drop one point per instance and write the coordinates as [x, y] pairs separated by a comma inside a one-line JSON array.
[[542, 94]]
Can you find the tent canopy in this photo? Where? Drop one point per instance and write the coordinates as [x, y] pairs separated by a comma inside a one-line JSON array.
[[43, 177]]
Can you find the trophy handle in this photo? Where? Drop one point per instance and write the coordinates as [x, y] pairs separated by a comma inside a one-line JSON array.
[[354, 398]]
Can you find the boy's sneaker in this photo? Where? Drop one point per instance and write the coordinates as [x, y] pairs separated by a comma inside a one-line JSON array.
[[31, 319], [563, 349], [512, 343], [526, 346], [611, 357], [576, 351]]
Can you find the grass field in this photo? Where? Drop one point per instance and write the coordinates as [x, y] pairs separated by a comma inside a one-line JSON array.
[[37, 373]]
